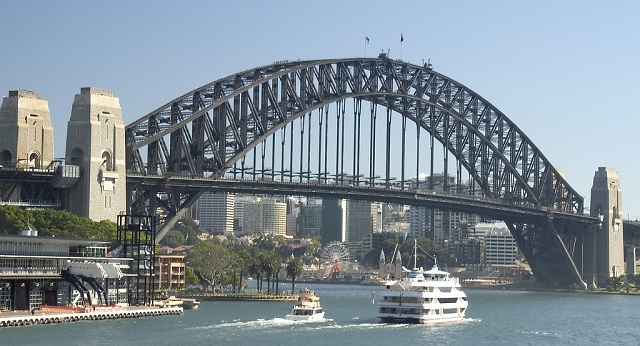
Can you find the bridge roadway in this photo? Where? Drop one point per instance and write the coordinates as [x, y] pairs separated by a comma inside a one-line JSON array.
[[40, 192], [29, 187], [500, 209]]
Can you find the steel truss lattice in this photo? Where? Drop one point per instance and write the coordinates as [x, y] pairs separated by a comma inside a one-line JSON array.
[[210, 131]]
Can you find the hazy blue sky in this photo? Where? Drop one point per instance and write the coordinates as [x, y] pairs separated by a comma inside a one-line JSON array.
[[566, 72]]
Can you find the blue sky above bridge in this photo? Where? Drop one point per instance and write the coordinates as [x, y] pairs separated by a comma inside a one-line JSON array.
[[565, 72]]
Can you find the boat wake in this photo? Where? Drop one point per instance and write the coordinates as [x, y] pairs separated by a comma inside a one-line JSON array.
[[258, 324], [270, 324]]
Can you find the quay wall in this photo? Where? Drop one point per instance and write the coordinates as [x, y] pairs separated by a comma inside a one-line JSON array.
[[25, 319]]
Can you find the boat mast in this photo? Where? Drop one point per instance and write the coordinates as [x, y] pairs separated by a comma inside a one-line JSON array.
[[415, 253]]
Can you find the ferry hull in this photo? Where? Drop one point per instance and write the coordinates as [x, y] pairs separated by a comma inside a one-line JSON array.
[[314, 317], [418, 320]]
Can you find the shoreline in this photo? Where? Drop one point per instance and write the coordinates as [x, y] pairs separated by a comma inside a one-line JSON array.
[[250, 297]]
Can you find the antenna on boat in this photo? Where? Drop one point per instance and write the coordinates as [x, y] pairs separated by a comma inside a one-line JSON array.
[[415, 253]]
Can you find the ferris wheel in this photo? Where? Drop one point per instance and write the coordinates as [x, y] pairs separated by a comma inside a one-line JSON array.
[[335, 254]]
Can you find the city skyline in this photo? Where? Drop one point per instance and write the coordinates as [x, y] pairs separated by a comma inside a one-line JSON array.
[[540, 64]]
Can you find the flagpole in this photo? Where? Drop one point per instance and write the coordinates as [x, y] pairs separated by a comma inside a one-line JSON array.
[[366, 42], [401, 40], [365, 48]]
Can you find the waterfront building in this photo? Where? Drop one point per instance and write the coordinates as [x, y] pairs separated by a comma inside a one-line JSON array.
[[170, 271], [500, 248], [53, 271]]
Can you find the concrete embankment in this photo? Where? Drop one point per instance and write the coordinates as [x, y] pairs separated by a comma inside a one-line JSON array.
[[24, 318]]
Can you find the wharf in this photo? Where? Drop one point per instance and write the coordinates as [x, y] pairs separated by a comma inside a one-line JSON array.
[[25, 318]]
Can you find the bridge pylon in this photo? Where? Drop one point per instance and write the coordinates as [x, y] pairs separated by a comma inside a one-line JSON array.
[[95, 143], [604, 249], [26, 134]]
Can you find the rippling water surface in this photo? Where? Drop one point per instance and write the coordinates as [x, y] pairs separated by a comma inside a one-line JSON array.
[[493, 318]]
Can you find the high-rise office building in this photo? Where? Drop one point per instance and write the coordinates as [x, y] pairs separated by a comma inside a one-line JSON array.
[[216, 212], [361, 219], [442, 226], [265, 217], [333, 221], [500, 247], [310, 219]]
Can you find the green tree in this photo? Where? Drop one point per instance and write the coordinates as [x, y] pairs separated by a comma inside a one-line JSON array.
[[188, 227], [266, 267], [425, 251], [265, 243], [277, 267], [173, 238], [190, 276], [210, 262], [12, 219], [255, 269], [294, 268], [372, 258], [244, 260], [270, 264], [51, 222]]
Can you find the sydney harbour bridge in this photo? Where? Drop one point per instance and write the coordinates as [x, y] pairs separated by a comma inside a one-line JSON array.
[[361, 129]]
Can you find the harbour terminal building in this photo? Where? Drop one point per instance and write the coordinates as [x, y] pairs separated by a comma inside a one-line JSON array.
[[60, 272]]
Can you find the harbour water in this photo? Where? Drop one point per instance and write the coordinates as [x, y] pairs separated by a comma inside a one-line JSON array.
[[494, 317]]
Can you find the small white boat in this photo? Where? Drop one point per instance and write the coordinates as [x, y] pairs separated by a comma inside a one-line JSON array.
[[190, 304], [425, 297], [172, 301], [307, 308]]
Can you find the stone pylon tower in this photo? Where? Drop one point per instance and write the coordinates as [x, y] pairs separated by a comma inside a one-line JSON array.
[[95, 142], [26, 134], [605, 241]]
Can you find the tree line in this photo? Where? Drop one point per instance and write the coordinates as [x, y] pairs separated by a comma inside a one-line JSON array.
[[214, 266], [51, 222]]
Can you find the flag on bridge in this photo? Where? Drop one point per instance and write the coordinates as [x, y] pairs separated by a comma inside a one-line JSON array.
[[366, 39], [401, 38]]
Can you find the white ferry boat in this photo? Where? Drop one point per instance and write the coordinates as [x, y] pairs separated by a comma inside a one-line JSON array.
[[425, 297], [307, 308]]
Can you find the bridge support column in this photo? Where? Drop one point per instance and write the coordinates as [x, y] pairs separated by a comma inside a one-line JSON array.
[[630, 260], [605, 248], [26, 134], [96, 143]]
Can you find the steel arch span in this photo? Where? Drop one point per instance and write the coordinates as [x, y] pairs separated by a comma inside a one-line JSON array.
[[247, 124]]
